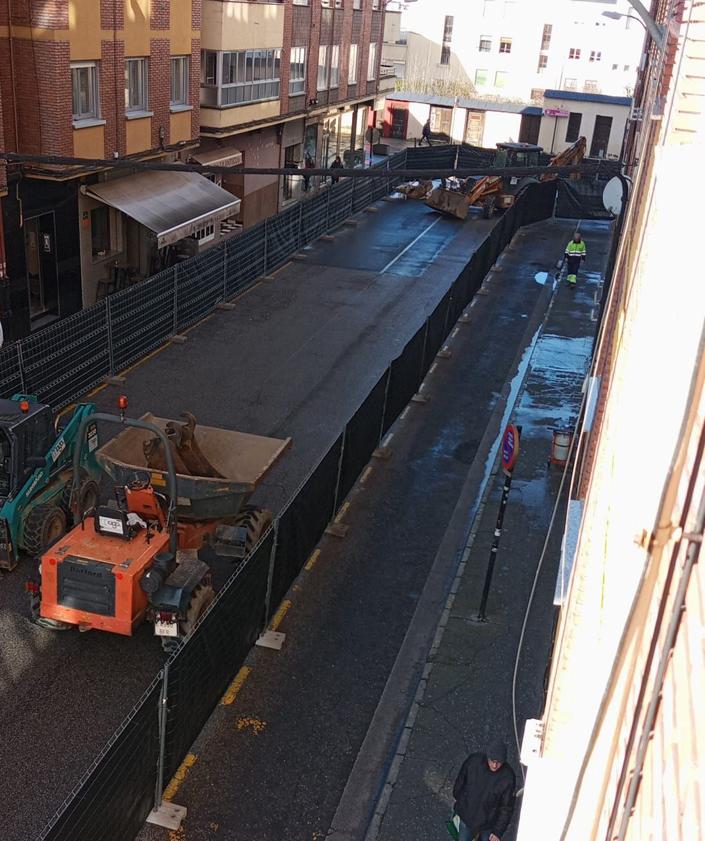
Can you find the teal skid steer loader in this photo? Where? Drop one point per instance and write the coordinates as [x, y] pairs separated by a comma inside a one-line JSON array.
[[36, 475]]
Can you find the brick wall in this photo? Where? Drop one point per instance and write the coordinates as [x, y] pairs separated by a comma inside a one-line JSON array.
[[112, 14], [159, 14], [45, 14], [112, 95], [159, 88], [195, 84], [196, 14]]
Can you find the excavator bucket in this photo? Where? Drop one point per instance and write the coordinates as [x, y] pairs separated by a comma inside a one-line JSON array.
[[450, 202]]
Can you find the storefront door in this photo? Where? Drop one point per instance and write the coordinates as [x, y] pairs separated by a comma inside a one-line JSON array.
[[40, 256]]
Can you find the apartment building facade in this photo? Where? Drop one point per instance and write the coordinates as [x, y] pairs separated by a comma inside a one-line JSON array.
[[287, 82], [515, 49]]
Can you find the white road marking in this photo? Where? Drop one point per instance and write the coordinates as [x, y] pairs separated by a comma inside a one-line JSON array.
[[410, 245]]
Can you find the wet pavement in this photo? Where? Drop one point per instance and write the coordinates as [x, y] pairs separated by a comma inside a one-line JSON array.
[[303, 744], [295, 358]]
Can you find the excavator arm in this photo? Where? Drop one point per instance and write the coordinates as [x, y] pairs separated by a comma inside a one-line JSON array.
[[572, 155]]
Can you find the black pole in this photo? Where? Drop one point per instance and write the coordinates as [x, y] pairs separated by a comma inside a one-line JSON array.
[[482, 612]]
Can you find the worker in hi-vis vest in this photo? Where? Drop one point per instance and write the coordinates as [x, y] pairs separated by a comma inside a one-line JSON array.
[[575, 253]]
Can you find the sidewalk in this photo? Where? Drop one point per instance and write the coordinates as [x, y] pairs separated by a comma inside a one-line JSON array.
[[465, 696]]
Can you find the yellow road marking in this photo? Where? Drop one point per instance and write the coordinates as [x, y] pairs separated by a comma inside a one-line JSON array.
[[247, 722], [311, 562], [280, 614], [179, 776], [366, 474], [235, 686], [343, 511]]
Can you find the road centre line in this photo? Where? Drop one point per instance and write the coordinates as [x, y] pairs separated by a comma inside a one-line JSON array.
[[410, 245]]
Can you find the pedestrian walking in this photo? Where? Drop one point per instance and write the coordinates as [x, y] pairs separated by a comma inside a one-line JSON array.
[[426, 132], [575, 253], [308, 164], [484, 794], [337, 164]]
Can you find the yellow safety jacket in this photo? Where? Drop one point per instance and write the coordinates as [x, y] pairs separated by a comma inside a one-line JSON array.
[[575, 249]]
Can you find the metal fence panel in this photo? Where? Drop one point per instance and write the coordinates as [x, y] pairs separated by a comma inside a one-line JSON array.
[[405, 377], [112, 801], [245, 257], [341, 203], [199, 673], [303, 522], [200, 286], [438, 329], [435, 157], [11, 370], [314, 218], [68, 358], [362, 193], [142, 318], [362, 434], [282, 236]]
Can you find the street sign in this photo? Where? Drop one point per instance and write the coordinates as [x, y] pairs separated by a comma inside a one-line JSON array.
[[555, 112], [510, 447]]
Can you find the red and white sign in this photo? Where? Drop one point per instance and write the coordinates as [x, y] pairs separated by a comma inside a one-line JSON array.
[[555, 112]]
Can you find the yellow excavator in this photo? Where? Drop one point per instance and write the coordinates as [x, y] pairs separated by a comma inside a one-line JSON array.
[[498, 191]]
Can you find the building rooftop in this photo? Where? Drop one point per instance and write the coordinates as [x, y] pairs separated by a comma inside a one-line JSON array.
[[463, 102], [576, 96]]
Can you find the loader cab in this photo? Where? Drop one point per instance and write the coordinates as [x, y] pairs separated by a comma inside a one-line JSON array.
[[26, 436], [517, 154]]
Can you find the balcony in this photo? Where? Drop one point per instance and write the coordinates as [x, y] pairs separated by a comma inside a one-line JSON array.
[[387, 78]]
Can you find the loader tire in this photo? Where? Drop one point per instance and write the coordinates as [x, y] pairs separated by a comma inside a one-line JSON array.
[[44, 526], [201, 597], [88, 497], [256, 521], [488, 207]]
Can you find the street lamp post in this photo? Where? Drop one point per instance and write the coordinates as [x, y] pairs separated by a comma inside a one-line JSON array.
[[656, 30]]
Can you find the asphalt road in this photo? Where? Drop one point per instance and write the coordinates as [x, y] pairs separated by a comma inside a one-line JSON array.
[[294, 358]]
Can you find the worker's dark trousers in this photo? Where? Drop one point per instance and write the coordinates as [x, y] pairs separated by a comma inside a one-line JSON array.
[[573, 264]]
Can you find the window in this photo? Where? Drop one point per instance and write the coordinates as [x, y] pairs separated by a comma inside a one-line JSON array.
[[500, 78], [205, 234], [100, 232], [485, 44], [135, 84], [301, 2], [615, 67], [574, 52], [375, 5], [505, 45], [249, 76], [297, 71], [543, 63], [209, 68], [591, 86], [357, 4], [372, 63], [323, 67], [334, 65], [572, 132], [179, 80], [448, 29], [546, 37], [445, 54], [595, 55], [352, 65], [536, 94], [626, 68], [84, 90], [570, 84], [480, 78]]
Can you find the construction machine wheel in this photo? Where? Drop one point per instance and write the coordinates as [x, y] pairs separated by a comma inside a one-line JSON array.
[[88, 496], [488, 207], [256, 521], [201, 597], [44, 526]]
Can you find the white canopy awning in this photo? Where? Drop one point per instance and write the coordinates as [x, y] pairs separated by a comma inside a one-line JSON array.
[[223, 156], [172, 204]]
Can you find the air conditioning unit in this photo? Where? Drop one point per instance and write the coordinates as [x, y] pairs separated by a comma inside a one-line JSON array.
[[637, 114]]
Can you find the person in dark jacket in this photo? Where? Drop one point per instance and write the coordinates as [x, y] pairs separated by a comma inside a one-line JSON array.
[[337, 164], [484, 794], [426, 132]]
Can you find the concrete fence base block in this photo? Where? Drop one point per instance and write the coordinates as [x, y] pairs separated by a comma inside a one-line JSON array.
[[444, 353], [117, 380], [168, 815], [267, 278], [483, 291], [384, 453], [271, 639], [328, 237], [464, 318], [337, 530], [497, 268], [419, 398], [351, 223], [225, 305], [300, 258], [371, 209], [179, 339]]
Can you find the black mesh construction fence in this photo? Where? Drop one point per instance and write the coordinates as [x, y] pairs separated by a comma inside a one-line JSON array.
[[340, 202], [404, 377], [116, 794], [11, 370], [314, 218], [282, 236], [471, 157], [245, 259], [200, 286], [362, 435], [362, 193], [438, 328], [434, 157], [304, 520], [199, 673], [581, 200]]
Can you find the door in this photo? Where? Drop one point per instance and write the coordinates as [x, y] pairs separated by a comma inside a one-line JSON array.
[[529, 128], [440, 121], [40, 257], [600, 136], [400, 118], [475, 128]]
